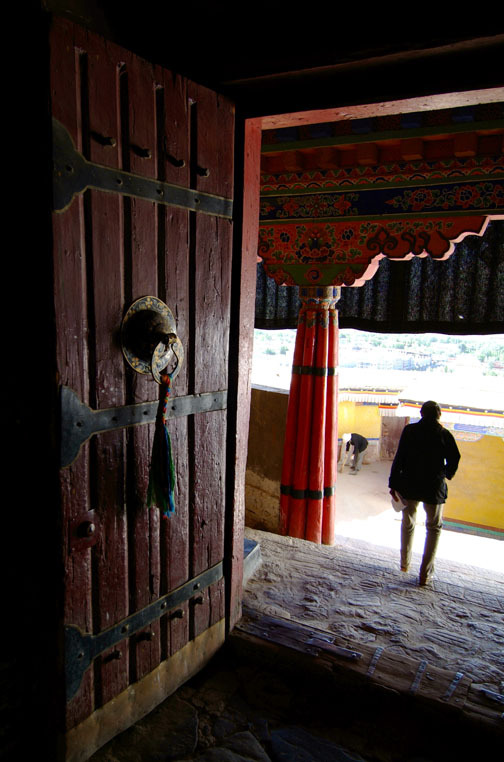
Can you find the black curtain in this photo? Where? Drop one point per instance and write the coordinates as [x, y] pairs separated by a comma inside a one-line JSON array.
[[464, 294]]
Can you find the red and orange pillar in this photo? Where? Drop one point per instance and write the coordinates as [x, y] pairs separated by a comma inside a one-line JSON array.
[[307, 501]]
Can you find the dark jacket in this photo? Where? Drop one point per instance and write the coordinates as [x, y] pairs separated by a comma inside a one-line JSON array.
[[427, 454], [358, 442]]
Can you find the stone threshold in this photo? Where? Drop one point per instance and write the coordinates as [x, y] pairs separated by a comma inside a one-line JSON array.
[[314, 653]]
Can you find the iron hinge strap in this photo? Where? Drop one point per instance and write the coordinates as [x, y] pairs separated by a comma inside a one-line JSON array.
[[374, 661], [328, 647], [79, 422], [492, 695], [81, 649], [73, 174], [451, 688], [419, 673]]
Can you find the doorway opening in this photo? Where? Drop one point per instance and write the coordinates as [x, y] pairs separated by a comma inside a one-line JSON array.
[[312, 149], [355, 590], [378, 373]]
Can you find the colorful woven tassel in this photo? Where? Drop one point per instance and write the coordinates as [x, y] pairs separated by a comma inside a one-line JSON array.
[[162, 471]]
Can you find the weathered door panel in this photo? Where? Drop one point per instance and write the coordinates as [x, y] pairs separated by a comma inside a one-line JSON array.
[[140, 147], [70, 294], [213, 174], [109, 250], [103, 253]]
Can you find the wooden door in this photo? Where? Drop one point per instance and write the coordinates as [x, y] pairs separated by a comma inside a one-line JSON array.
[[112, 245], [391, 430]]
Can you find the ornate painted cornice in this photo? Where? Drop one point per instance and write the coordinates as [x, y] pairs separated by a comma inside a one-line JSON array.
[[348, 253], [331, 227], [413, 174]]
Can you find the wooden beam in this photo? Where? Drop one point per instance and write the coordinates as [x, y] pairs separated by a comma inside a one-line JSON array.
[[465, 145], [408, 105], [412, 149], [367, 154], [290, 644], [246, 233]]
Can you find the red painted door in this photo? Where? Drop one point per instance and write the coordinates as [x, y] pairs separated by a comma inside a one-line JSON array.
[[112, 247]]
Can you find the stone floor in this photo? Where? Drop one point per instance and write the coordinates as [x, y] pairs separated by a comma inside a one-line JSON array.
[[231, 712], [356, 591], [237, 710]]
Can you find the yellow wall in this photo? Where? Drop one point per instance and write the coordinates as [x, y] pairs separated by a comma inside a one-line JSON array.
[[476, 493], [361, 419]]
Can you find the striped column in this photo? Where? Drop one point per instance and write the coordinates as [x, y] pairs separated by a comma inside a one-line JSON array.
[[307, 500]]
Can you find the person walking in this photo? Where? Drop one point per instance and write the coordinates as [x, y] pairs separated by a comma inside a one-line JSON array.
[[427, 455]]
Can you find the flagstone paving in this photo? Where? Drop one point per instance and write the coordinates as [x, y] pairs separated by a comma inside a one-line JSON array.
[[237, 711]]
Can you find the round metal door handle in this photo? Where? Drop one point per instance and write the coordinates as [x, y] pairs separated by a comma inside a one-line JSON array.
[[149, 338]]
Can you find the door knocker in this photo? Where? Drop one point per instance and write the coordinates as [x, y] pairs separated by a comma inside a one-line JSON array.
[[149, 339], [151, 346]]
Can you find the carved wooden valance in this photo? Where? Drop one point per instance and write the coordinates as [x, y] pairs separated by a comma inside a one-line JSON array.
[[329, 212]]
